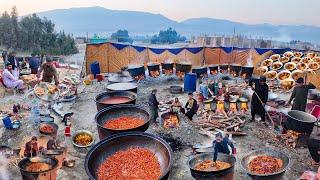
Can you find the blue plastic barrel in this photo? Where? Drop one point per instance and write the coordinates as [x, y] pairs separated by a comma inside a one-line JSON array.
[[95, 68], [190, 82], [7, 122]]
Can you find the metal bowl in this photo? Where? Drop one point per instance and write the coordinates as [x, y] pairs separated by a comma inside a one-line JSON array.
[[275, 57], [267, 62], [210, 174], [117, 111], [245, 160], [123, 141], [82, 132], [123, 86]]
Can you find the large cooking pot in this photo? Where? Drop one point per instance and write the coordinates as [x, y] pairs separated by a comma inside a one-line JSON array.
[[246, 72], [226, 174], [44, 175], [167, 68], [300, 122], [117, 111], [124, 86], [136, 70], [183, 67], [235, 70], [200, 71], [246, 159], [105, 95], [224, 68], [213, 69], [123, 141]]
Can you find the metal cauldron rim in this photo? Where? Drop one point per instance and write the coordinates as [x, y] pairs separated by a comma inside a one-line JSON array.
[[307, 114], [265, 150], [115, 136], [34, 173], [209, 153], [114, 92], [119, 106]]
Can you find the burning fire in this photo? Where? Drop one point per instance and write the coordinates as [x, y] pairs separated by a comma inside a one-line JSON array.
[[220, 108], [139, 77], [233, 73], [244, 107], [180, 74], [155, 73], [233, 107], [171, 121], [167, 71], [213, 72]]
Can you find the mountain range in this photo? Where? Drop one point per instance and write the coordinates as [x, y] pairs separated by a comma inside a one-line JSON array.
[[102, 21]]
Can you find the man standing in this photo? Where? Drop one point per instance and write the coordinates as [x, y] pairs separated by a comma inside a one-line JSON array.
[[221, 145], [49, 72], [4, 56], [259, 98], [34, 64], [153, 105], [314, 149], [299, 94], [191, 106]]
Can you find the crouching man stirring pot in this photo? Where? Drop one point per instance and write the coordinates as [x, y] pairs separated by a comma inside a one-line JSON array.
[[221, 145]]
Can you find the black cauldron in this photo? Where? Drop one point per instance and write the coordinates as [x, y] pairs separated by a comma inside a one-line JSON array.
[[167, 67], [105, 95], [117, 111], [200, 71], [225, 174], [152, 67], [235, 70], [49, 174], [246, 72], [123, 141], [299, 121], [213, 69], [186, 68], [136, 70], [224, 68]]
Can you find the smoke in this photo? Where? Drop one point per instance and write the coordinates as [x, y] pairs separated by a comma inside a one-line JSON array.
[[249, 61], [4, 163]]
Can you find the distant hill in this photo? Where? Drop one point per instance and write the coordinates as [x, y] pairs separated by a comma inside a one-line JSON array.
[[79, 21]]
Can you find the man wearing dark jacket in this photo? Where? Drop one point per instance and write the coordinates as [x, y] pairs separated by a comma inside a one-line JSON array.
[[259, 98], [221, 145], [299, 94], [191, 107], [153, 105]]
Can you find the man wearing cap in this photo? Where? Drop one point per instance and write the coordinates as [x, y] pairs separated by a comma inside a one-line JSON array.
[[221, 145], [153, 105], [259, 98], [299, 95], [50, 73]]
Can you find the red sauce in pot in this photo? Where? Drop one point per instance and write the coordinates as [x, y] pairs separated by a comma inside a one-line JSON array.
[[115, 100]]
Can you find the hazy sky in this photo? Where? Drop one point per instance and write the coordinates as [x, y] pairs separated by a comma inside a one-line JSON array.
[[305, 12]]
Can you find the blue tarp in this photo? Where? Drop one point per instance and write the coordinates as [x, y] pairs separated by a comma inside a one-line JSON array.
[[139, 48], [157, 51], [175, 51], [262, 50], [227, 49], [119, 46], [194, 50]]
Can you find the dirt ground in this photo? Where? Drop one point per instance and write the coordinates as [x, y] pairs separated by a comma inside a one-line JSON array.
[[84, 108], [258, 135]]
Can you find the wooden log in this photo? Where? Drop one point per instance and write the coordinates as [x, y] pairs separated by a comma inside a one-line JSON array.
[[237, 133], [232, 126]]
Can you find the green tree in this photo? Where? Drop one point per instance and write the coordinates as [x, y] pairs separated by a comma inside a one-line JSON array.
[[121, 36], [168, 36], [5, 29], [14, 28]]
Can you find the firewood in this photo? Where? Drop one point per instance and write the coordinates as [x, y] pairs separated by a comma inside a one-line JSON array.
[[232, 126], [237, 133]]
